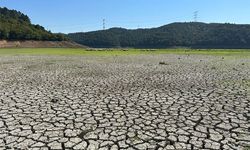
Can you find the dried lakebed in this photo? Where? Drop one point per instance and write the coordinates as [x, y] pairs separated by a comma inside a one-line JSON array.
[[124, 102]]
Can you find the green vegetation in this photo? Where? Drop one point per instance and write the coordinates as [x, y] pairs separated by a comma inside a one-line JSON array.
[[14, 25], [247, 148], [68, 51], [195, 35]]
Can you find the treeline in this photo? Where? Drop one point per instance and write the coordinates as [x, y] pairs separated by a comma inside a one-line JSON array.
[[193, 34], [14, 25]]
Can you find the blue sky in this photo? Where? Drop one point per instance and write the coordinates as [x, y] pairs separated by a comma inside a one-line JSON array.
[[86, 15]]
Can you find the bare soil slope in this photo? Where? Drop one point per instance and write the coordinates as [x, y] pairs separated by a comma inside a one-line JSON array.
[[39, 44]]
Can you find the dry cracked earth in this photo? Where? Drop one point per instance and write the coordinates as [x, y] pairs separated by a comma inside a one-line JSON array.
[[124, 102]]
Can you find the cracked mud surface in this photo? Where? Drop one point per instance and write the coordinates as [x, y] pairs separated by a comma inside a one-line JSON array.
[[124, 102]]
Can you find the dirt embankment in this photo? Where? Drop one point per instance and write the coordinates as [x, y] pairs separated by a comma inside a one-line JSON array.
[[39, 44]]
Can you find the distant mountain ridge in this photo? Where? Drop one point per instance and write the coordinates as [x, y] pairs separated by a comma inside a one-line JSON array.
[[15, 25], [187, 34]]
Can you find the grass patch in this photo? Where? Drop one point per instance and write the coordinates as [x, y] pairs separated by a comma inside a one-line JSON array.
[[247, 148], [116, 52]]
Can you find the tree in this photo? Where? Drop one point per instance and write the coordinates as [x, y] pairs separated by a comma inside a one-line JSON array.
[[14, 25], [193, 34]]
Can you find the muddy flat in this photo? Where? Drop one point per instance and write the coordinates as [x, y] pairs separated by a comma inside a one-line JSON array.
[[166, 101]]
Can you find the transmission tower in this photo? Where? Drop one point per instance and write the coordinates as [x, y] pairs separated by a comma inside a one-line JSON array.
[[104, 24], [196, 16]]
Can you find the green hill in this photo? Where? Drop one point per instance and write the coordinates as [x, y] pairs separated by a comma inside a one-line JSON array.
[[193, 34], [14, 25]]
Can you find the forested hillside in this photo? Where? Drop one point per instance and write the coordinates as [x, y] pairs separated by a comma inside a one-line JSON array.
[[14, 25], [191, 34]]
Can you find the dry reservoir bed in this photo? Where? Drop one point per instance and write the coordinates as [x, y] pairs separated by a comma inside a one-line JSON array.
[[124, 102]]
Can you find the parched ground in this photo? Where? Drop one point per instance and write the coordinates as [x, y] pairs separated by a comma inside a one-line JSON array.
[[124, 102]]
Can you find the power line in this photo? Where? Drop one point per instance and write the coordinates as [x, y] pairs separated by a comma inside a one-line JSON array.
[[196, 16], [131, 24], [104, 24]]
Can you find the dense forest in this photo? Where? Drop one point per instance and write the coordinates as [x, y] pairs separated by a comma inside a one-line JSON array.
[[193, 34], [14, 25]]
